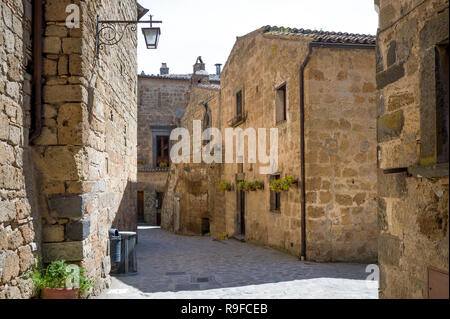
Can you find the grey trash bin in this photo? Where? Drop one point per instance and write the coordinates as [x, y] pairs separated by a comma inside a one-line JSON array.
[[128, 262], [115, 249]]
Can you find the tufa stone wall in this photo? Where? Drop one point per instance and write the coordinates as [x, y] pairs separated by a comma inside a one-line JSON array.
[[413, 200], [18, 208], [341, 167], [86, 154], [340, 145], [161, 103], [194, 205]]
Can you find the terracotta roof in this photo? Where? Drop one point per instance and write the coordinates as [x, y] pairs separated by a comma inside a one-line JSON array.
[[323, 36], [184, 77]]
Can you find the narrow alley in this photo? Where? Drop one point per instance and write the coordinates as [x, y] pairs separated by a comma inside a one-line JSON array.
[[180, 267]]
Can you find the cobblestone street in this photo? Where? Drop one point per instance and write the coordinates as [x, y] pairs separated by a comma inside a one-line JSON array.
[[172, 266]]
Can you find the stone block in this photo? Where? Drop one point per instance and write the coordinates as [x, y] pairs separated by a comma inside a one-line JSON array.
[[400, 100], [69, 251], [26, 258], [391, 75], [315, 212], [344, 200], [63, 65], [56, 31], [69, 121], [64, 93], [72, 45], [27, 232], [50, 67], [52, 233], [7, 212], [55, 10], [9, 263], [390, 126], [75, 64], [392, 185], [3, 239], [4, 127], [13, 293], [15, 239], [389, 249], [52, 45], [68, 206], [78, 230]]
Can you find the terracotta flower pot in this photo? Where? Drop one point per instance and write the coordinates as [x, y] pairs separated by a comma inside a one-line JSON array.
[[60, 293]]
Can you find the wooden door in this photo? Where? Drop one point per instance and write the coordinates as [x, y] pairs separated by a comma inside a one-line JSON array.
[[140, 206], [242, 211]]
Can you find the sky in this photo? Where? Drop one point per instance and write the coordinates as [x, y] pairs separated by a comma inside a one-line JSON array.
[[209, 28]]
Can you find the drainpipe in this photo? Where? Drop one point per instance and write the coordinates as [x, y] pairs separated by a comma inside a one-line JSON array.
[[302, 150], [36, 106], [302, 125]]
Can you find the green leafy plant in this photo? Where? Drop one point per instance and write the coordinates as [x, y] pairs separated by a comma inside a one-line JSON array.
[[258, 184], [251, 186], [225, 186], [57, 275], [242, 186], [162, 165], [284, 184]]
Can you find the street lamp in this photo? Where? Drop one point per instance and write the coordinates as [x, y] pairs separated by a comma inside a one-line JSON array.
[[111, 32], [151, 35]]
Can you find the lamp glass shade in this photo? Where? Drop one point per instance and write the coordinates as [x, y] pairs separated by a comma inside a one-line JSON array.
[[151, 36]]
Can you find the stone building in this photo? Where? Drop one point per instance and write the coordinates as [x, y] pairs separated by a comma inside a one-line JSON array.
[[318, 89], [413, 137], [261, 87], [68, 135], [162, 101], [194, 205]]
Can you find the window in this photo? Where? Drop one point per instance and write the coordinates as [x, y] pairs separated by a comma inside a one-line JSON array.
[[159, 200], [239, 104], [442, 101], [206, 123], [275, 198], [280, 104], [162, 151]]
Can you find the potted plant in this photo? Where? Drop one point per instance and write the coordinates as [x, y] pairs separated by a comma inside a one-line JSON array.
[[245, 186], [225, 186], [59, 280], [259, 184], [162, 165], [284, 184]]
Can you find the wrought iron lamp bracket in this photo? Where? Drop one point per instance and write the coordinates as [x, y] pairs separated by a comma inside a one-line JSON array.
[[111, 32]]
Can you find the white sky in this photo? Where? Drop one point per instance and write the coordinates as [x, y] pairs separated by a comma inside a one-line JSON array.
[[208, 28]]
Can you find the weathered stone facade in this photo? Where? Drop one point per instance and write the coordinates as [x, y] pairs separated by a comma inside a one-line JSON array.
[[162, 101], [194, 205], [18, 207], [340, 137], [413, 175], [84, 159]]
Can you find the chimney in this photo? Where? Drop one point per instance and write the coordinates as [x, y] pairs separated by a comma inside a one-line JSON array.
[[164, 69], [199, 65], [218, 68]]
